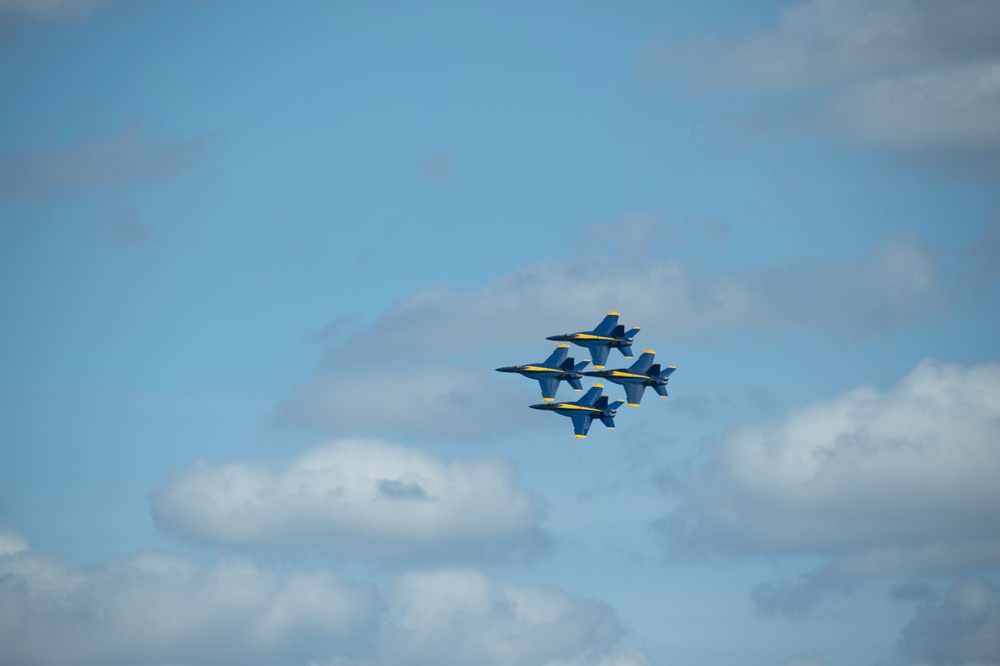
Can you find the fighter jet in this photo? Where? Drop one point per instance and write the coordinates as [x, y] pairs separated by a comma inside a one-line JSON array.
[[643, 373], [609, 333], [551, 371], [591, 406]]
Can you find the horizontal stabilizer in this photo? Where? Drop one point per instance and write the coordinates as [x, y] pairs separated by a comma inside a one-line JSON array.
[[575, 383], [661, 389], [580, 366], [615, 405], [609, 422], [626, 351], [631, 333]]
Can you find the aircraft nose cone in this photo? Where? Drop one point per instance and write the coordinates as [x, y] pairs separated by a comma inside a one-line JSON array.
[[504, 369], [537, 406]]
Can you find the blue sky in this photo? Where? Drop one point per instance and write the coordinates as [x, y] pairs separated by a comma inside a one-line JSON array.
[[258, 263]]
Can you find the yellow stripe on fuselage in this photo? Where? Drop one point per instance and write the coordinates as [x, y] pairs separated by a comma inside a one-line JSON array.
[[570, 405], [616, 373], [539, 368], [591, 336]]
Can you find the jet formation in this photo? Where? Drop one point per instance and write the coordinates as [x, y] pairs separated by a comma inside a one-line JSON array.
[[559, 367]]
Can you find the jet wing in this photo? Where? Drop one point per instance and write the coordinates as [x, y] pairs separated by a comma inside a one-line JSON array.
[[634, 391], [581, 424], [599, 354], [549, 387]]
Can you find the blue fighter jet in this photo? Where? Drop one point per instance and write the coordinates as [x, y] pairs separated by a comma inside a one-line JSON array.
[[609, 333], [643, 373], [591, 406], [551, 371]]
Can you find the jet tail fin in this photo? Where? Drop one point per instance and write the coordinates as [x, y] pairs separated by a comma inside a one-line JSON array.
[[607, 324], [557, 357]]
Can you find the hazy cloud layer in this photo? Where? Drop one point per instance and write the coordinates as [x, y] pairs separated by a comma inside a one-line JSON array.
[[963, 629], [157, 608], [99, 161], [435, 399], [358, 499], [815, 659], [917, 77], [901, 481], [878, 293], [16, 12]]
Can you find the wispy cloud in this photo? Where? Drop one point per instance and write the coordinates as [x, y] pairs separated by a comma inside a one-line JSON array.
[[962, 629], [100, 161], [918, 78], [15, 14]]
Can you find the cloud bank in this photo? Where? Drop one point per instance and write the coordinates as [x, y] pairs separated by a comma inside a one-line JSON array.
[[358, 499], [901, 481], [858, 297], [158, 608]]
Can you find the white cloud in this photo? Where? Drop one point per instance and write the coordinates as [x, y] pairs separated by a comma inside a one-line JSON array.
[[435, 399], [963, 630], [882, 482], [164, 609], [466, 617], [358, 498], [158, 608], [916, 77]]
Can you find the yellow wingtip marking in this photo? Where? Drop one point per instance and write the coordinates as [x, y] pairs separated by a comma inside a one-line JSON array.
[[598, 385], [633, 404], [664, 396], [672, 367], [614, 313], [566, 345], [599, 367], [577, 390], [611, 427], [547, 399], [580, 436], [648, 351]]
